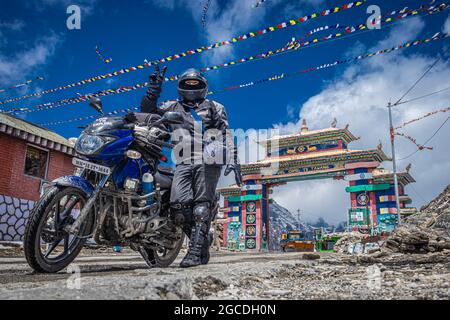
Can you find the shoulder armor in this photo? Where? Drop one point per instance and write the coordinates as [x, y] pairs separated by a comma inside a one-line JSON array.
[[168, 105], [219, 107]]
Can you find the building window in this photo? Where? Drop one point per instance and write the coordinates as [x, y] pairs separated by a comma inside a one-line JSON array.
[[36, 162]]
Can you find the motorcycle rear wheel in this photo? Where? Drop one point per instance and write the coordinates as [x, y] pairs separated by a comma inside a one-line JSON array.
[[162, 258], [45, 230]]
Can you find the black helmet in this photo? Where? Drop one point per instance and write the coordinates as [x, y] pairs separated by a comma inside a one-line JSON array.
[[192, 86]]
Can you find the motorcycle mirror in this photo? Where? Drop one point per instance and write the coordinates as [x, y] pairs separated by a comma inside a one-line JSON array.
[[173, 117], [96, 104]]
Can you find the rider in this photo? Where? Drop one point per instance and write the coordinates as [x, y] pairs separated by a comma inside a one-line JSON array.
[[195, 182]]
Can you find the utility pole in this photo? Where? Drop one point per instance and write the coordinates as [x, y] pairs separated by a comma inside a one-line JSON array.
[[369, 215], [394, 163], [298, 219]]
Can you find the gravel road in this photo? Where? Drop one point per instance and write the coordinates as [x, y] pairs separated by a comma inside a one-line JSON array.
[[236, 276]]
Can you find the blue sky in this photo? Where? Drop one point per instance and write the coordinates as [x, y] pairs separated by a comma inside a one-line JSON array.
[[34, 41]]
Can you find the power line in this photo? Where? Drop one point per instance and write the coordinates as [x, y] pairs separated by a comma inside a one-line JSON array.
[[437, 131], [426, 142], [416, 192], [421, 78], [392, 133], [424, 96]]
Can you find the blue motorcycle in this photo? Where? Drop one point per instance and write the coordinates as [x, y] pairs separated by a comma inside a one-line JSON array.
[[119, 195]]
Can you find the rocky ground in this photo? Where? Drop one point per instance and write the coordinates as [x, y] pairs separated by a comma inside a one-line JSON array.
[[412, 263], [238, 276]]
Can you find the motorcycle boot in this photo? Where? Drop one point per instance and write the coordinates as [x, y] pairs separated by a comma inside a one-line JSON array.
[[199, 236]]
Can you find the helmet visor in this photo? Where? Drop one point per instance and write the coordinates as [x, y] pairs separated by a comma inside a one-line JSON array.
[[192, 84]]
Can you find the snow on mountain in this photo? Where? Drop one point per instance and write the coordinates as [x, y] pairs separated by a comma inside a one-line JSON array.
[[285, 219], [282, 220]]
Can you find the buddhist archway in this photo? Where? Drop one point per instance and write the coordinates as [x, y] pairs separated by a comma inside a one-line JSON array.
[[307, 155]]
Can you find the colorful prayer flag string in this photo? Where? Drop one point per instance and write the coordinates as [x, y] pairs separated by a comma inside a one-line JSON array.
[[316, 30], [199, 50], [100, 55], [95, 116], [26, 83], [419, 146], [282, 76], [415, 43], [205, 12], [386, 18], [429, 114], [265, 55]]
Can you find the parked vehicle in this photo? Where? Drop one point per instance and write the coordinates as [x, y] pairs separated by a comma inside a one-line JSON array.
[[119, 196], [294, 240]]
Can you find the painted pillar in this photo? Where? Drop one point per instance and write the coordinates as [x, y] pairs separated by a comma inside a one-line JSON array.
[[259, 226], [373, 201], [361, 175], [252, 198], [265, 219], [225, 225], [265, 211], [244, 220]]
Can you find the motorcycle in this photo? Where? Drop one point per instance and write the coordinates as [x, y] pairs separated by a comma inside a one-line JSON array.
[[118, 196]]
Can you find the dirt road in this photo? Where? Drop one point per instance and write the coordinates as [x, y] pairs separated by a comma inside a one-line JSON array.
[[233, 276]]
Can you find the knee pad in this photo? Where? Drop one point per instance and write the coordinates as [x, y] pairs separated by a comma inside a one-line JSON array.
[[202, 212], [181, 213]]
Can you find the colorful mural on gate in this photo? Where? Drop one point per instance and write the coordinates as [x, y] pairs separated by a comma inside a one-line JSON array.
[[307, 155]]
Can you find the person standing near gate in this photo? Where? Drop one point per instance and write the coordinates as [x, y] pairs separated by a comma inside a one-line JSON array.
[[195, 180]]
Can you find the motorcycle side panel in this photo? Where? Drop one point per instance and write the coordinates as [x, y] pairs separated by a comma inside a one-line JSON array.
[[75, 182], [129, 169]]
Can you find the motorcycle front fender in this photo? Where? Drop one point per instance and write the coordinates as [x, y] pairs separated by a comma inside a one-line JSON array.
[[75, 182]]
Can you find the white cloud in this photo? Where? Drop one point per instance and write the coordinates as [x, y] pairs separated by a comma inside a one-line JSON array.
[[9, 26], [226, 19], [18, 66], [405, 31], [87, 6], [24, 62], [315, 199], [16, 25]]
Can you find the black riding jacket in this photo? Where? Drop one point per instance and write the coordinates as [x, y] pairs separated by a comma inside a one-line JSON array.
[[212, 114]]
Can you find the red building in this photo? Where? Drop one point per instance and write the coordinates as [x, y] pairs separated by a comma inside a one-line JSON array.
[[30, 156]]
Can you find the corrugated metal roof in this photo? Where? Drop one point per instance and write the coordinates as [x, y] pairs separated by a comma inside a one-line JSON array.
[[31, 128]]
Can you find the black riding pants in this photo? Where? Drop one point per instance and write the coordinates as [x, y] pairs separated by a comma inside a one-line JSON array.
[[194, 184]]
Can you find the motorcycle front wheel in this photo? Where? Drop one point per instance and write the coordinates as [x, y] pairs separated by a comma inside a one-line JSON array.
[[48, 247], [162, 258]]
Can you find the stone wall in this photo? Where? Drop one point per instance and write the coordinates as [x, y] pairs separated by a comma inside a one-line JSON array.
[[14, 213]]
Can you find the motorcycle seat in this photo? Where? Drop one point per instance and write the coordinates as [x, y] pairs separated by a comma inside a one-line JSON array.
[[167, 171]]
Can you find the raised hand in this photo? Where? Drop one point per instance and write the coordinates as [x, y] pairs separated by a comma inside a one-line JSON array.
[[155, 83]]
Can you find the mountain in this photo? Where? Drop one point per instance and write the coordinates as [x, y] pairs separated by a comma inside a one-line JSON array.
[[282, 220]]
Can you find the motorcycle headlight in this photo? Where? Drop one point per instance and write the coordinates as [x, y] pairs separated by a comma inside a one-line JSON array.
[[88, 144]]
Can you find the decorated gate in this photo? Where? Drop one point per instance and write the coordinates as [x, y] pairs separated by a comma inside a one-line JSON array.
[[308, 155]]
